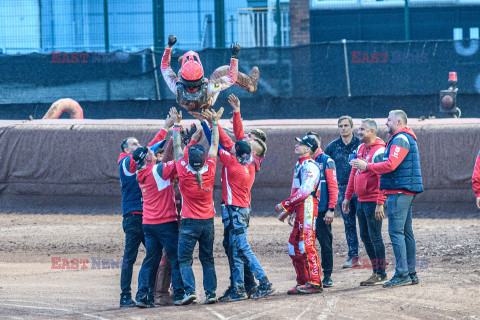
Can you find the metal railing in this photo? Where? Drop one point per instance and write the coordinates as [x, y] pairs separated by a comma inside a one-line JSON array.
[[257, 27]]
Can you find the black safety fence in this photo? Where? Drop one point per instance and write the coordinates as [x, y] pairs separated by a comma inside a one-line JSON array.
[[318, 80]]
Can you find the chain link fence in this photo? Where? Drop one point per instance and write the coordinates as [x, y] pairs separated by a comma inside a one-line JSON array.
[[109, 25]]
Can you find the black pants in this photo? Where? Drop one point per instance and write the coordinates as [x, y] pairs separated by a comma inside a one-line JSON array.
[[325, 239], [132, 226]]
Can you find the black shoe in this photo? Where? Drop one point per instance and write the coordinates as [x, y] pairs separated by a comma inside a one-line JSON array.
[[144, 303], [327, 282], [226, 294], [126, 301], [251, 291], [414, 278], [237, 295], [264, 289], [210, 298]]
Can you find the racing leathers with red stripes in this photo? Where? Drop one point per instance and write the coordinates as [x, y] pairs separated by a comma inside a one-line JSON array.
[[210, 88], [476, 177], [304, 202]]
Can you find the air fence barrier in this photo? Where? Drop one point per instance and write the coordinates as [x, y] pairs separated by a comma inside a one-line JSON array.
[[70, 166]]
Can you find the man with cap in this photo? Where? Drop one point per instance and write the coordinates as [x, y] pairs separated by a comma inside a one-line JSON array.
[[238, 175], [196, 176], [256, 140], [326, 209], [304, 203], [132, 209], [159, 224], [255, 137]]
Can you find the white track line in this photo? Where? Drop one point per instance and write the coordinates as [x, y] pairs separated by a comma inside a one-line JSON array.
[[90, 315], [216, 314], [302, 313], [34, 307], [258, 315], [328, 309], [56, 309]]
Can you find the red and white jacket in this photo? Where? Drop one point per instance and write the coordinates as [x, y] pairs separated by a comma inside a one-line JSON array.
[[366, 184], [305, 181], [228, 144], [155, 181], [237, 180]]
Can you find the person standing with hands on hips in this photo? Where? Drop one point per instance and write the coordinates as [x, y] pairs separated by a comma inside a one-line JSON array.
[[401, 181], [340, 150]]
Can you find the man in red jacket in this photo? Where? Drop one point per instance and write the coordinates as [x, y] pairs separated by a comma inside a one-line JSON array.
[[132, 209], [366, 184], [196, 177], [159, 224], [476, 180]]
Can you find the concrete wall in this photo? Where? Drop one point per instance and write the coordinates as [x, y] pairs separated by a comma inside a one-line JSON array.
[[69, 166]]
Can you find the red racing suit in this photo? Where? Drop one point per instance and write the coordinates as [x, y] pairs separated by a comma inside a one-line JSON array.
[[209, 90], [476, 177], [304, 202]]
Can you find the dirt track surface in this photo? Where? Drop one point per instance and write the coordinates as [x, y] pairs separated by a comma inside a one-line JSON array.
[[448, 254]]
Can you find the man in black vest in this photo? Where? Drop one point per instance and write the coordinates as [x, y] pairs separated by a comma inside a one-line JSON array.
[[401, 181]]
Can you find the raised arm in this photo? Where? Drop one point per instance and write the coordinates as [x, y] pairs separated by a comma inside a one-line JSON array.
[[237, 118], [214, 145], [167, 72], [160, 136], [224, 139], [229, 80], [177, 140]]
